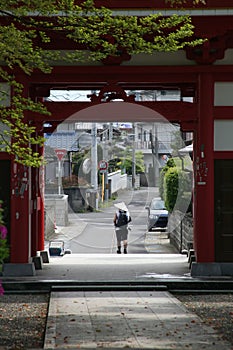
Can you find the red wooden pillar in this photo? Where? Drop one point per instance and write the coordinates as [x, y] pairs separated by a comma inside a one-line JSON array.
[[21, 204], [41, 218], [34, 221], [20, 214], [204, 172], [37, 242]]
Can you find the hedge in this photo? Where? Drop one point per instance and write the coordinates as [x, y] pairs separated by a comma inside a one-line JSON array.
[[175, 186]]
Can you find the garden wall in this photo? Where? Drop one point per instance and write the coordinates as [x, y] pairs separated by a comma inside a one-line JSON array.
[[180, 230], [117, 180], [60, 204]]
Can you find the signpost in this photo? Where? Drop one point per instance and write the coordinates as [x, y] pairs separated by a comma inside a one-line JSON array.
[[60, 154], [103, 167]]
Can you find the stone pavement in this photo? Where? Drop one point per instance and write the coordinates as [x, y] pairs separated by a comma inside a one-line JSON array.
[[125, 320], [114, 267], [121, 317]]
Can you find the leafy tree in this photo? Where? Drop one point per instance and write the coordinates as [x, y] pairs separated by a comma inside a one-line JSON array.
[[27, 32], [170, 164], [181, 2], [126, 161]]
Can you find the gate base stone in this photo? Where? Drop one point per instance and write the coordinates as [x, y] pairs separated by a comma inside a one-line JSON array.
[[211, 269]]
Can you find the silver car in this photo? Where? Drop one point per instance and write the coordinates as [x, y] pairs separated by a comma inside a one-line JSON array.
[[157, 215]]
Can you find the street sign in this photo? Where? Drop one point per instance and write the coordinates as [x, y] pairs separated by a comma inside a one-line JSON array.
[[60, 153], [103, 165]]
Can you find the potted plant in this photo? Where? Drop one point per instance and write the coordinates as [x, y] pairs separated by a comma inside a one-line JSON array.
[[4, 248]]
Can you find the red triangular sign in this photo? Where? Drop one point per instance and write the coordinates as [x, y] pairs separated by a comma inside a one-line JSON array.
[[60, 153]]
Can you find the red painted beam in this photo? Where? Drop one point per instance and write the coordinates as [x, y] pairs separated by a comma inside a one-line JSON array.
[[121, 74], [223, 112], [208, 26], [159, 4], [127, 76], [212, 26], [223, 155], [173, 111]]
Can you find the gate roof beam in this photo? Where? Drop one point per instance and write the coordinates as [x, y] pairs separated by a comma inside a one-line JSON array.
[[121, 74], [174, 111]]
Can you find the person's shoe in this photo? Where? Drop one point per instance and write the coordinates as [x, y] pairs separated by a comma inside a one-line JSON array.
[[125, 251], [118, 251]]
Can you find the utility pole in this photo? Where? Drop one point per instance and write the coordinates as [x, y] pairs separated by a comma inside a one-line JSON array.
[[154, 148], [94, 180], [105, 157], [133, 159], [59, 177]]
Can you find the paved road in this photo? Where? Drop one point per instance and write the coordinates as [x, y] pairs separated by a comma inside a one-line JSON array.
[[98, 235]]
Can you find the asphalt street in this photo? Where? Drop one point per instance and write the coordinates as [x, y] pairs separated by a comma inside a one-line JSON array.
[[97, 235], [91, 238]]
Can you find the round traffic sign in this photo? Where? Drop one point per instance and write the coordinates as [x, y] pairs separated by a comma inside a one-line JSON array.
[[103, 165]]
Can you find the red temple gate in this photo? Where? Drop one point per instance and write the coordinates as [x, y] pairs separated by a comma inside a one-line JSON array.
[[204, 74]]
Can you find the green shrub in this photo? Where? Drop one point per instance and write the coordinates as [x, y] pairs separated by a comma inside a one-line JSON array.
[[170, 164], [177, 187], [171, 187]]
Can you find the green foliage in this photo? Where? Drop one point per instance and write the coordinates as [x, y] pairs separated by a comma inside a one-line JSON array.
[[170, 164], [171, 186], [175, 185], [126, 162], [77, 162], [4, 250], [21, 132], [77, 170], [114, 165], [99, 32], [96, 33], [182, 2]]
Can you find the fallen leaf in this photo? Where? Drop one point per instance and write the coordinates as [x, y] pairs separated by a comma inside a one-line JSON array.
[[65, 339]]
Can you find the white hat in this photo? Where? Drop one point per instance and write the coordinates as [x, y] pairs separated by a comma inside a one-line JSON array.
[[121, 206]]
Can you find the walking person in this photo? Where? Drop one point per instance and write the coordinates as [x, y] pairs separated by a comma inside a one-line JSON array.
[[121, 220]]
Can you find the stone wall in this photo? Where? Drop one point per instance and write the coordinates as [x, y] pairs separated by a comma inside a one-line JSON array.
[[180, 230], [49, 223], [60, 204]]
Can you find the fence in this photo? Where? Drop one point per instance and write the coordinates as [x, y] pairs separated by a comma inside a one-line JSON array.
[[117, 180], [180, 229]]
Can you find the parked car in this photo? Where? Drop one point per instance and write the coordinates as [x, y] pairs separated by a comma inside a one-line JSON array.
[[157, 215]]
